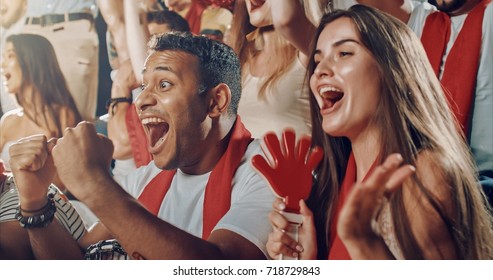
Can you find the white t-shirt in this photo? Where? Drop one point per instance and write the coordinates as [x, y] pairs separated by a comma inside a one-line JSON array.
[[418, 16], [481, 138], [251, 200], [287, 104]]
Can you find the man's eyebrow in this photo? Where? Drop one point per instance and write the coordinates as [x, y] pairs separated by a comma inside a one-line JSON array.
[[160, 68]]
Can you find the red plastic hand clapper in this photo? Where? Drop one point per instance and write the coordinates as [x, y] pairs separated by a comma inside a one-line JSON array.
[[290, 171]]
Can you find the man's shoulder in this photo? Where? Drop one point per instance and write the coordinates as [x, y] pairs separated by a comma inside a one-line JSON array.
[[421, 10], [136, 180], [246, 175], [253, 148]]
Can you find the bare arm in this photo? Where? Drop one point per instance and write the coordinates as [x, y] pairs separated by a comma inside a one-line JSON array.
[[137, 36], [153, 238], [150, 237], [33, 170], [290, 20], [112, 12], [124, 81]]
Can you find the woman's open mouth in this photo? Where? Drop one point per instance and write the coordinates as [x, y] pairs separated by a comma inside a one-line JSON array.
[[330, 95]]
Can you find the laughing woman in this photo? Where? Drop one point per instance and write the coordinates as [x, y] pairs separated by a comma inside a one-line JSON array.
[[397, 180]]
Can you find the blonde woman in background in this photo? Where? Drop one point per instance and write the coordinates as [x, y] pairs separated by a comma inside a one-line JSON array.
[[272, 39]]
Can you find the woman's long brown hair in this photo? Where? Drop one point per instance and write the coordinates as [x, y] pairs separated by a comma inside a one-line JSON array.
[[40, 68], [412, 116]]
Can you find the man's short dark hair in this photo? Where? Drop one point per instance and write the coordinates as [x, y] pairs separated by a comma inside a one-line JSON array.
[[218, 63], [172, 19]]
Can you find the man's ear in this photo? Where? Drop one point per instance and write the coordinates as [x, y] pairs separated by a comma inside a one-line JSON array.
[[220, 100]]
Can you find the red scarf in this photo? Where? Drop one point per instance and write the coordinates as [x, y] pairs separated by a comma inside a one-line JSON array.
[[217, 200], [194, 16], [461, 67], [137, 137], [337, 250]]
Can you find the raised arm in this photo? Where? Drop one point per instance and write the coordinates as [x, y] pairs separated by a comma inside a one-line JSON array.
[[290, 19], [124, 81], [112, 12], [85, 171], [33, 170], [137, 36]]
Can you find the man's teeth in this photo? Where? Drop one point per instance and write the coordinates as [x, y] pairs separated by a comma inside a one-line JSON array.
[[153, 120]]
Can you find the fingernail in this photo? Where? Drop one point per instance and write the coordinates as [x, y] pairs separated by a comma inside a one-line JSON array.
[[399, 157], [295, 255], [299, 248], [282, 206]]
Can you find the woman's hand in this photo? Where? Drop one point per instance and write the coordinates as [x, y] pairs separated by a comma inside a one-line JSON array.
[[357, 226], [281, 244]]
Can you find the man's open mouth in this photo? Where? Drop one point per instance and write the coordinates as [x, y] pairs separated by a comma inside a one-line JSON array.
[[156, 128]]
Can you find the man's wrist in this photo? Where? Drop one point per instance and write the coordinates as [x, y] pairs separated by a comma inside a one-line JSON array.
[[32, 205], [37, 218], [118, 90], [111, 103]]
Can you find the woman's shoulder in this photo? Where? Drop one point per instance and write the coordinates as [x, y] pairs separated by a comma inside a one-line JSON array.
[[431, 169], [12, 117]]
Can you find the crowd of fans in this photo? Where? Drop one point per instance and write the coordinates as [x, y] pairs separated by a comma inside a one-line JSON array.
[[246, 129]]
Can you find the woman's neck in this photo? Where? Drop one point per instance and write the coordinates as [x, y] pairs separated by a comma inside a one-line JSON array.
[[265, 50], [366, 149], [31, 100]]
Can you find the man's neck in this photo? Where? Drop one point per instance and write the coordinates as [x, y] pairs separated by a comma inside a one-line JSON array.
[[399, 9], [216, 144], [466, 8]]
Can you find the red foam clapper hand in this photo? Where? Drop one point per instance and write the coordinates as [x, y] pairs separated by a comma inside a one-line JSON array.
[[289, 170]]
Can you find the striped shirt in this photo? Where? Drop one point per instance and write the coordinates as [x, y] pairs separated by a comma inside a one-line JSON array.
[[66, 214]]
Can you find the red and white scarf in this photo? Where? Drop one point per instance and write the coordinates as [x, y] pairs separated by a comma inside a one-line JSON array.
[[217, 200]]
